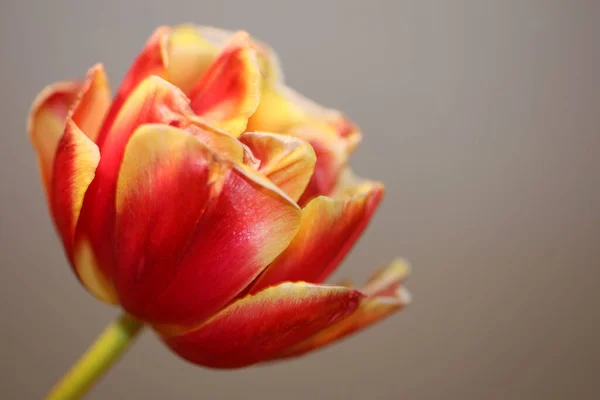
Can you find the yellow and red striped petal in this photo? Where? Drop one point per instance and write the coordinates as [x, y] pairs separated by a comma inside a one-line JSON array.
[[192, 230], [267, 58], [385, 296], [93, 103], [229, 92], [268, 61], [287, 161], [187, 56], [332, 158], [336, 223], [74, 168], [282, 109], [150, 62], [258, 327], [179, 55], [153, 101], [46, 124], [345, 129]]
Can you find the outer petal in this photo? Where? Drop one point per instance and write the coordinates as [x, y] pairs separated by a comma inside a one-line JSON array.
[[85, 102], [74, 167], [338, 224], [229, 92], [385, 296], [92, 103], [287, 161], [258, 327], [47, 122], [154, 100], [192, 230]]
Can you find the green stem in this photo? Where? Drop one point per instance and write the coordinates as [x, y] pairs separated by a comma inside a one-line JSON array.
[[96, 361]]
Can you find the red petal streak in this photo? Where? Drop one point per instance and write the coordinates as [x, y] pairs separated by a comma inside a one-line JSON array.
[[192, 231], [258, 327], [328, 230], [229, 91]]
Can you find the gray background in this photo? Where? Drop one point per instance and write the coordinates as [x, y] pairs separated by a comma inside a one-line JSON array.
[[483, 118]]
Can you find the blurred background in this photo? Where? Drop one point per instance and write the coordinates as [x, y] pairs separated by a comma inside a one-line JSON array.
[[483, 119]]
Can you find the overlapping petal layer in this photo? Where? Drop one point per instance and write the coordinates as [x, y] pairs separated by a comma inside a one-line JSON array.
[[328, 230], [223, 84], [287, 161], [47, 122], [229, 92], [192, 230], [153, 101], [258, 327]]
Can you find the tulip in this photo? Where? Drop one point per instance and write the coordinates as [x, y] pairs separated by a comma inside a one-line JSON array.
[[210, 202]]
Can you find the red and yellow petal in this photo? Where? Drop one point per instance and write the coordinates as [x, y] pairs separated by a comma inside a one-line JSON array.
[[153, 101], [287, 161], [258, 327], [187, 56], [179, 55], [74, 168], [150, 62], [192, 230], [46, 124], [219, 141], [385, 295], [282, 109], [267, 58], [167, 180], [332, 119], [337, 223], [93, 103], [229, 92], [332, 159], [275, 113]]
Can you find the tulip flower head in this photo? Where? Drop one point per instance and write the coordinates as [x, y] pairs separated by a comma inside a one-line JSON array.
[[210, 201]]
